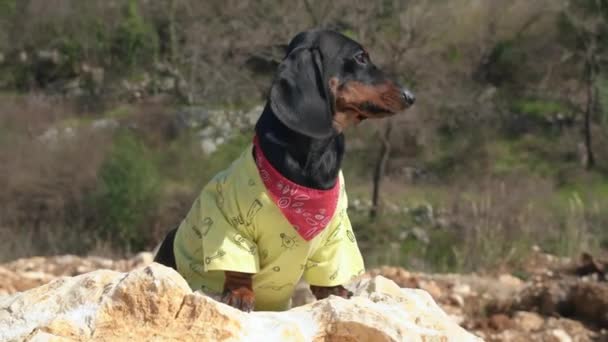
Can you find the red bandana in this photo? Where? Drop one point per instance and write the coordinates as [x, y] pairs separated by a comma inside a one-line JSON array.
[[308, 210]]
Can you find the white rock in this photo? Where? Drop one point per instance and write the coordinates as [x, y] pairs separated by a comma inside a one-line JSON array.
[[155, 303], [560, 335], [208, 146]]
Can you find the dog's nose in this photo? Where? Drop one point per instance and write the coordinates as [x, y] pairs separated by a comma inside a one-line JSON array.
[[409, 97]]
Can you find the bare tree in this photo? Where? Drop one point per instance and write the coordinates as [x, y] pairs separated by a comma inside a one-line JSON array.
[[379, 169], [584, 28]]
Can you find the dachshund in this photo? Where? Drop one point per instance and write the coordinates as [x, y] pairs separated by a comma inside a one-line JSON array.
[[325, 84]]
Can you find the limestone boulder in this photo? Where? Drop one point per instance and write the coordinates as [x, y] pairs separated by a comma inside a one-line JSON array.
[[155, 303], [24, 274]]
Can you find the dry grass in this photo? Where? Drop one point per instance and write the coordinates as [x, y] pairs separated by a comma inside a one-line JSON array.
[[480, 224], [44, 180]]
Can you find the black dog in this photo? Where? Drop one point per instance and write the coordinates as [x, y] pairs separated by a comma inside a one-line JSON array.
[[325, 84]]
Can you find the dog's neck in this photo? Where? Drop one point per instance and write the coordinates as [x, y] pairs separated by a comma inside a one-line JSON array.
[[310, 162]]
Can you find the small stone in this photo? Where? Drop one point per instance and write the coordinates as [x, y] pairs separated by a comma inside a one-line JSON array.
[[23, 57], [456, 300], [208, 146], [560, 335], [432, 288], [102, 124], [510, 280], [302, 295], [500, 322], [421, 235], [206, 132], [528, 321], [142, 259], [462, 289], [167, 84]]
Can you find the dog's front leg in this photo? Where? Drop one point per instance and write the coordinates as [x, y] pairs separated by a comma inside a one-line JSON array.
[[238, 291], [322, 292]]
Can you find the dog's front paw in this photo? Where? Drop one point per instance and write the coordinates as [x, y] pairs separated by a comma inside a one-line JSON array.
[[240, 298], [238, 291], [322, 292]]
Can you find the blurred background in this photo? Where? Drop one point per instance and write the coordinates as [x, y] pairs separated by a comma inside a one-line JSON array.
[[114, 114]]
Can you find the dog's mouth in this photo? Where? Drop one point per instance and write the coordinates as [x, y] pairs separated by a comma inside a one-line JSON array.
[[361, 117], [370, 110], [373, 108]]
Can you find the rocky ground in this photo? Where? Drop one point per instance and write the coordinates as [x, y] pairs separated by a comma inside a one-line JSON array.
[[154, 303], [561, 300]]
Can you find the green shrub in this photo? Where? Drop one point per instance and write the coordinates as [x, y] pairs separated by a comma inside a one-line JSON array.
[[528, 155], [8, 6], [539, 108], [127, 191], [504, 62], [582, 207], [183, 161], [7, 10], [135, 41]]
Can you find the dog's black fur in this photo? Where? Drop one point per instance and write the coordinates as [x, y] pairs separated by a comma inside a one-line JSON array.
[[325, 83], [310, 162]]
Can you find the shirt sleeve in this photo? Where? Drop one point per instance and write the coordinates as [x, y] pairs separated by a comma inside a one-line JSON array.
[[338, 260], [227, 235]]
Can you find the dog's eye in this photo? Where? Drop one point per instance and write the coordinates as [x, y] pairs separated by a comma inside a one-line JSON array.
[[361, 58]]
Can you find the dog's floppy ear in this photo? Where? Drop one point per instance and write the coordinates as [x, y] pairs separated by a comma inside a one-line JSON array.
[[299, 97]]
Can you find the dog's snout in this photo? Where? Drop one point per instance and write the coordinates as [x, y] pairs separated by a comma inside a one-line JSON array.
[[408, 96]]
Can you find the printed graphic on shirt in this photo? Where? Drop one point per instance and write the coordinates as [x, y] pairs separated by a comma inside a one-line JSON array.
[[250, 247], [357, 274], [220, 253], [350, 236], [207, 224], [334, 236], [196, 231], [219, 199], [288, 241], [334, 275], [310, 264], [197, 268], [253, 210], [237, 221]]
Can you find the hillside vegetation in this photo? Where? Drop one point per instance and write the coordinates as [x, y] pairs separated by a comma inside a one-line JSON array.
[[114, 114]]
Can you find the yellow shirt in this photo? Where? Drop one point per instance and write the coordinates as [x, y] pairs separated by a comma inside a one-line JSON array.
[[235, 226]]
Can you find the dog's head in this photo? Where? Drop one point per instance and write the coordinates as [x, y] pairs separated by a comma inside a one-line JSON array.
[[327, 82]]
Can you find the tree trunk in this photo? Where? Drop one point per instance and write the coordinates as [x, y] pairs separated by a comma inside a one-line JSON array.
[[172, 32], [385, 150], [589, 155]]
